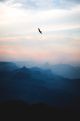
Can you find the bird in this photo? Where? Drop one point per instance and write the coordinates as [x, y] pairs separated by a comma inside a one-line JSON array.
[[40, 31]]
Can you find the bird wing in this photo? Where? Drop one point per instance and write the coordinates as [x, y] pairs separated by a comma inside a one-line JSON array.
[[39, 30]]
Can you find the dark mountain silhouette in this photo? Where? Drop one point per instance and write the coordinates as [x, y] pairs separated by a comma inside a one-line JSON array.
[[36, 85], [14, 107], [66, 71], [22, 73], [8, 66]]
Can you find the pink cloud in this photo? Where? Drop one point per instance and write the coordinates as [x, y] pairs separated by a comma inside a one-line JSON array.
[[19, 52]]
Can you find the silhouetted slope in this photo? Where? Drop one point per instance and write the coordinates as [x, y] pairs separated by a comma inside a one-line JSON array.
[[15, 107], [7, 66], [66, 71], [22, 73], [34, 85]]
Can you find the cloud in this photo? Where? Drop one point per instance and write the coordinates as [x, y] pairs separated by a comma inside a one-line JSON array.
[[73, 1], [42, 4], [47, 4], [68, 3], [19, 20], [2, 0]]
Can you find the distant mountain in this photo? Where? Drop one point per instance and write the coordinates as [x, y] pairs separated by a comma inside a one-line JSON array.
[[8, 66], [27, 63], [22, 73], [66, 71], [35, 84]]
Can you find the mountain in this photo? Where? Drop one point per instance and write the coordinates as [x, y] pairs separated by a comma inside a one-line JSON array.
[[35, 85], [22, 73], [8, 66], [66, 71], [14, 107]]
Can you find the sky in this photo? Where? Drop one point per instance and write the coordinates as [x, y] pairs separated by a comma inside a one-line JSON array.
[[59, 21]]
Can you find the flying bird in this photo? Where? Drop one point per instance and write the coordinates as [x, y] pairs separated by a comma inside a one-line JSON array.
[[40, 31]]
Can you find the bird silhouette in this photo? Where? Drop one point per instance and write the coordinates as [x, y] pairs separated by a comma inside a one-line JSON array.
[[40, 31]]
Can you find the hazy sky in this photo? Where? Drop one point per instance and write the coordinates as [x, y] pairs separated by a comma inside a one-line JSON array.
[[58, 19]]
